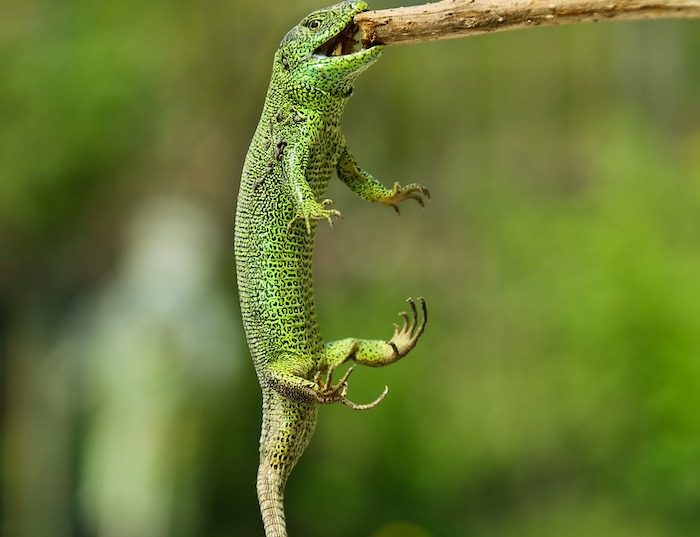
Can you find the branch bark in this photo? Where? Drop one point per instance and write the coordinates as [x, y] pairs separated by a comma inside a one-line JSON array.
[[449, 19]]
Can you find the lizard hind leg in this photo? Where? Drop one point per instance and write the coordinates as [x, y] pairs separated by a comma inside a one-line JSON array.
[[324, 384], [379, 352], [376, 352]]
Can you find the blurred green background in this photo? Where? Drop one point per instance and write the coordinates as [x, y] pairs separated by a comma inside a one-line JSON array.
[[557, 388]]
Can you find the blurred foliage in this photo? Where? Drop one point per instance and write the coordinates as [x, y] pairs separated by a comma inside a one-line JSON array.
[[557, 387]]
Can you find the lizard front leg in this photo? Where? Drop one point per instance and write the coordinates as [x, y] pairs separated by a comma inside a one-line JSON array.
[[307, 207], [367, 187], [376, 352]]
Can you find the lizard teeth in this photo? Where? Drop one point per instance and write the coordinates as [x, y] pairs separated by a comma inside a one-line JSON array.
[[345, 42]]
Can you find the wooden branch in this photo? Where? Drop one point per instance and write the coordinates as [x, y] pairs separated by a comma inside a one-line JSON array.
[[458, 18]]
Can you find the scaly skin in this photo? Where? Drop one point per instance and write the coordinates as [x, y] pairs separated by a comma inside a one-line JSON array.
[[295, 149]]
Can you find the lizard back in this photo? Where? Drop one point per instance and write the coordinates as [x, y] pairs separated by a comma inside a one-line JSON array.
[[274, 258]]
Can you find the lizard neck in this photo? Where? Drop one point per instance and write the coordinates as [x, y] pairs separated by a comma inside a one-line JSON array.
[[295, 88]]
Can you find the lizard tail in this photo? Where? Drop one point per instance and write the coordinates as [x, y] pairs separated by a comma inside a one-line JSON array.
[[270, 496], [286, 430]]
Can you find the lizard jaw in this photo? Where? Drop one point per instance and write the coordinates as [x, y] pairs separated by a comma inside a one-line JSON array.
[[345, 43]]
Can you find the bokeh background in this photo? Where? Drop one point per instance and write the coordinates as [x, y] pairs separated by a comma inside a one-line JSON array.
[[557, 388]]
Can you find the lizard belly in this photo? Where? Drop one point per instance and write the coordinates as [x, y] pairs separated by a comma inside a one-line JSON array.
[[274, 262], [275, 286]]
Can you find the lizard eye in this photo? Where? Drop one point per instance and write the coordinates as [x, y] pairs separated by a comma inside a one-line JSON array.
[[313, 24]]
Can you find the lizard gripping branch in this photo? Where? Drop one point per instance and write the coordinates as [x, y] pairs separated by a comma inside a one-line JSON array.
[[296, 147]]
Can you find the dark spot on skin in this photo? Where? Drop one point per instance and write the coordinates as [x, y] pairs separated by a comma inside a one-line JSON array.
[[277, 156], [259, 182], [279, 151]]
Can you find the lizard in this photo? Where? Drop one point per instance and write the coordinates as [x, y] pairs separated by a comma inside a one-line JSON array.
[[297, 145]]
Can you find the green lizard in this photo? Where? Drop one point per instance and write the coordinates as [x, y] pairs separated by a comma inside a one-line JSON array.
[[297, 145]]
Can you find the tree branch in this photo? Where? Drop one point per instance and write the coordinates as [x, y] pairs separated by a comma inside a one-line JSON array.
[[458, 18]]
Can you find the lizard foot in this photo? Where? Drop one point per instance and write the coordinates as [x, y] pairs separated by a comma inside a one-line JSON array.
[[313, 210], [412, 191], [334, 393], [406, 336], [329, 392]]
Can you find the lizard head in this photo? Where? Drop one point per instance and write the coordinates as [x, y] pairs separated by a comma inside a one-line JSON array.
[[324, 51]]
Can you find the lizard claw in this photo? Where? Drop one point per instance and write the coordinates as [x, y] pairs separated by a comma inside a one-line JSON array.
[[336, 393], [412, 191], [313, 210], [329, 392], [330, 214], [406, 337], [367, 406]]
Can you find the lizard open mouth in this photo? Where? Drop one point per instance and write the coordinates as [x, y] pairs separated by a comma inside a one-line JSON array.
[[346, 42]]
